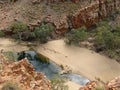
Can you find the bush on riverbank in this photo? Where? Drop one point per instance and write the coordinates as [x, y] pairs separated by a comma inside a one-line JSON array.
[[76, 35], [42, 58], [58, 83], [43, 31], [10, 55], [107, 39], [18, 28], [22, 32]]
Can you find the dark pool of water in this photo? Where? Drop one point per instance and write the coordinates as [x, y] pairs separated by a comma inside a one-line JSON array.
[[52, 69]]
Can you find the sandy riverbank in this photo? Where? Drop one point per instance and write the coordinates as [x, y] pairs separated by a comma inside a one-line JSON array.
[[11, 45], [81, 60]]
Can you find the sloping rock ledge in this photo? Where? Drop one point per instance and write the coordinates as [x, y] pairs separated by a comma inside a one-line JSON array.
[[22, 75]]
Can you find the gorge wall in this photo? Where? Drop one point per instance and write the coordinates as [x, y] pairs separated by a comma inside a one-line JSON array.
[[88, 13], [89, 16]]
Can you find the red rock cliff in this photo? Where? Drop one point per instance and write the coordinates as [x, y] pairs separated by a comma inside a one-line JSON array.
[[21, 75]]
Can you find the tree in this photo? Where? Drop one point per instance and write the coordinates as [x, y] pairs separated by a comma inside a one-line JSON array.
[[104, 38], [18, 28], [43, 32], [76, 35], [107, 39]]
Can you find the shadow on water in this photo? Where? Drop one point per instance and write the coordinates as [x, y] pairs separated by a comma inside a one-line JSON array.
[[50, 69]]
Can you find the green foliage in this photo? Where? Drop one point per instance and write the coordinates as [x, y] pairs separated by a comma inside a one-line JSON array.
[[43, 32], [58, 83], [10, 55], [103, 24], [42, 58], [106, 38], [10, 86], [1, 33], [76, 35], [18, 28]]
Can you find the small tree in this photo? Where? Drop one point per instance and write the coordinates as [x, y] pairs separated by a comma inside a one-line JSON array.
[[76, 35], [43, 32], [104, 38], [18, 29]]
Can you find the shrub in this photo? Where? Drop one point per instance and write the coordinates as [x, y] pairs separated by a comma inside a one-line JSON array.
[[10, 86], [1, 33], [43, 32], [105, 38], [18, 28], [76, 35], [42, 58], [11, 56], [58, 83]]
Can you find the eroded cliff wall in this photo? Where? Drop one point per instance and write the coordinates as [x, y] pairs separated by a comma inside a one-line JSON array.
[[33, 12], [90, 15]]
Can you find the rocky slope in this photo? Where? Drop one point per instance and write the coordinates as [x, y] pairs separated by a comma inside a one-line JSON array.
[[21, 76], [63, 14], [111, 85]]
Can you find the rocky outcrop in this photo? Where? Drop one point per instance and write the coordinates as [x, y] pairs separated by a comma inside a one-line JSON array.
[[22, 75], [111, 85], [89, 86], [87, 14], [93, 13], [114, 84]]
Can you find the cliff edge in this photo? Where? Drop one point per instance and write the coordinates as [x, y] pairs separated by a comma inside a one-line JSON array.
[[21, 76]]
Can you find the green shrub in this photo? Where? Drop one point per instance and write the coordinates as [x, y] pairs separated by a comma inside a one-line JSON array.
[[42, 58], [10, 55], [76, 35], [58, 83], [10, 86], [1, 33], [107, 39], [18, 28], [43, 32]]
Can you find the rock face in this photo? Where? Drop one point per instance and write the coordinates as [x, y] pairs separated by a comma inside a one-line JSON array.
[[22, 75], [87, 14], [114, 84], [93, 13], [89, 86], [111, 85]]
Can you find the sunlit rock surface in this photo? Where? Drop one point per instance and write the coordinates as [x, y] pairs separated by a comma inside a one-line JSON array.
[[111, 85]]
